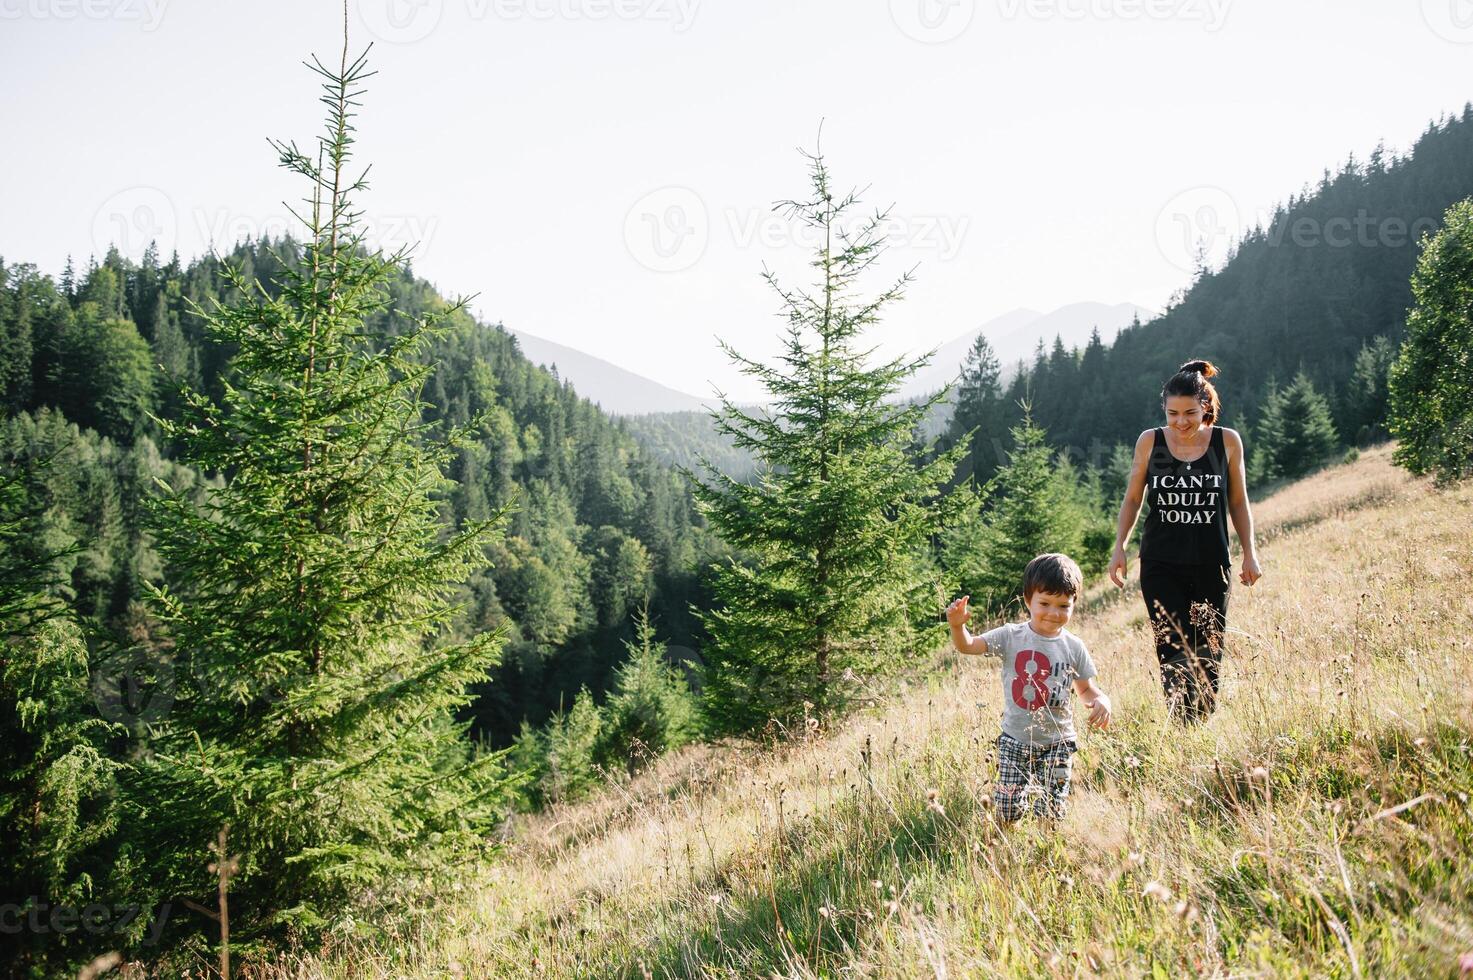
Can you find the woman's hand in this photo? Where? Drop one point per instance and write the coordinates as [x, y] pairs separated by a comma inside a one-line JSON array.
[[957, 612], [1250, 572], [1118, 567]]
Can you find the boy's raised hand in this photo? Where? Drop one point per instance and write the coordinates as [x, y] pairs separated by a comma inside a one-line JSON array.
[[957, 612]]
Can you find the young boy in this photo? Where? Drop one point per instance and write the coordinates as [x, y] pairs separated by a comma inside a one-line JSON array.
[[1040, 659]]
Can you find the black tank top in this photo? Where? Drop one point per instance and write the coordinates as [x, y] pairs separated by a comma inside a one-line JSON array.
[[1186, 521]]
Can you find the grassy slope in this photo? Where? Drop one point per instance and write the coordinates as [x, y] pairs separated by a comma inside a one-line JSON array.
[[1319, 825]]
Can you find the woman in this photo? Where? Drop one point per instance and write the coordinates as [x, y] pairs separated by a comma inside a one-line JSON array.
[[1191, 471]]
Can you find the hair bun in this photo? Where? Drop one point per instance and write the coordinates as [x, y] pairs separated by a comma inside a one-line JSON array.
[[1204, 368]]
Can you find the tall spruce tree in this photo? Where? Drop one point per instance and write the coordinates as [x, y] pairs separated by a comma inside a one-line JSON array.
[[1431, 385], [316, 689], [980, 411], [836, 581]]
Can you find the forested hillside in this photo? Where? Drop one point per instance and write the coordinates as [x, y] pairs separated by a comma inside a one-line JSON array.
[[601, 518], [679, 437], [1291, 319], [1302, 319], [599, 522]]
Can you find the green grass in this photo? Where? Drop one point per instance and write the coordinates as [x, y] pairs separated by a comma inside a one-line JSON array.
[[1318, 825]]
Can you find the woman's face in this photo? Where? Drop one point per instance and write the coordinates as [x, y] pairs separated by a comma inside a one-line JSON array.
[[1184, 413]]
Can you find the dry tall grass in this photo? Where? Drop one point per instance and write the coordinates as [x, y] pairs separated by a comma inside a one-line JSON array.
[[1318, 825]]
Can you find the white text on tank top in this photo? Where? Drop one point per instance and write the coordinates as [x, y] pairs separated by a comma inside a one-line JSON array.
[[1187, 498]]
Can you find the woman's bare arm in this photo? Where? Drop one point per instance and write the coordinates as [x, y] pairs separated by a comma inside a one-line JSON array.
[[1238, 506], [1130, 507]]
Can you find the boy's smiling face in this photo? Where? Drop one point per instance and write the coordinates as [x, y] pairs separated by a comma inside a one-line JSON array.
[[1049, 612]]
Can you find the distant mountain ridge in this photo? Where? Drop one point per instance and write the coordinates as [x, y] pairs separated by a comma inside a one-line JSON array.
[[618, 391], [1015, 335], [678, 435]]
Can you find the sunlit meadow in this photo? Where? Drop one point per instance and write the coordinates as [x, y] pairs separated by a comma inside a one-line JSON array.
[[1319, 825]]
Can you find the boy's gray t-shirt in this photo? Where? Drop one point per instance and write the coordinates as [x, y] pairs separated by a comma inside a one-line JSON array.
[[1038, 673]]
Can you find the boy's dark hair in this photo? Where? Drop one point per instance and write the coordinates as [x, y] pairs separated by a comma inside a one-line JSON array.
[[1052, 572]]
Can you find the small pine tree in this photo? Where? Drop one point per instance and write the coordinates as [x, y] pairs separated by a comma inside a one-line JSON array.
[[1037, 509], [1363, 413], [1268, 435], [1431, 384], [963, 539], [651, 709], [832, 585], [316, 703], [572, 749], [1097, 529], [1115, 474], [57, 792], [1295, 432], [528, 757], [1259, 437]]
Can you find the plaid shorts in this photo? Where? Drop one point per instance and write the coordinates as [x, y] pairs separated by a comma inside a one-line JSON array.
[[1036, 774]]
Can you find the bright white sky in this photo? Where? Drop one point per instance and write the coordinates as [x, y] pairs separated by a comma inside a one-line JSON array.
[[601, 171]]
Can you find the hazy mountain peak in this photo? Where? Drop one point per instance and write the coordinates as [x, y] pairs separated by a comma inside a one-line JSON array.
[[1014, 335], [616, 390], [620, 391]]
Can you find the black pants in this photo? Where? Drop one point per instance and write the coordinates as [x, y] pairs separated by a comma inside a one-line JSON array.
[[1188, 609]]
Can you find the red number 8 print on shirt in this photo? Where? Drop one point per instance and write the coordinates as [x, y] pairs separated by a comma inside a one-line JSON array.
[[1030, 687]]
